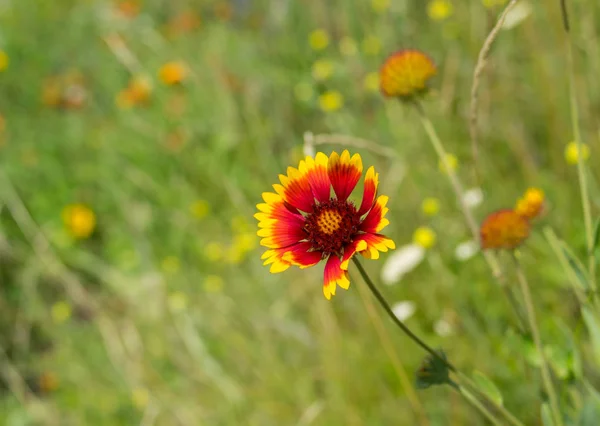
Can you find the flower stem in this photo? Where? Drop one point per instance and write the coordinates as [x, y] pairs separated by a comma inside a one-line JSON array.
[[395, 319], [489, 257], [475, 403], [581, 172], [545, 372], [512, 420]]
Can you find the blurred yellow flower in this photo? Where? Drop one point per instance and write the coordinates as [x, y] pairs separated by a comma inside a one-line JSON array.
[[331, 100], [213, 284], [492, 3], [371, 45], [79, 220], [173, 73], [140, 397], [572, 152], [234, 255], [170, 265], [424, 237], [380, 5], [3, 60], [532, 203], [452, 163], [304, 91], [348, 46], [61, 312], [246, 241], [214, 251], [438, 10], [200, 209], [371, 82], [318, 39], [430, 206], [177, 301], [322, 69], [405, 73]]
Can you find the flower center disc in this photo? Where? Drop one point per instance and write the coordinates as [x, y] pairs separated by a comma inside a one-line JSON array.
[[332, 225]]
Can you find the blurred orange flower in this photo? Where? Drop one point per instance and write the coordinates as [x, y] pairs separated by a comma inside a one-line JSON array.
[[173, 73], [182, 23], [136, 93], [532, 203], [504, 229], [405, 73], [127, 8], [66, 90]]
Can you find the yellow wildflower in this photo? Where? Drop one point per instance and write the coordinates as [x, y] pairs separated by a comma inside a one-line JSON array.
[[322, 69], [424, 237], [371, 45], [213, 284], [572, 152], [61, 312], [240, 223], [318, 39], [371, 82], [79, 220], [532, 203], [452, 161], [380, 5], [199, 209], [438, 10], [331, 101], [430, 206], [348, 46], [3, 60], [173, 73]]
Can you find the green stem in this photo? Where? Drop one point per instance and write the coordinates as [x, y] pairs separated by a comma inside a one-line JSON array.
[[581, 172], [475, 403], [489, 257], [424, 345], [544, 370], [395, 319]]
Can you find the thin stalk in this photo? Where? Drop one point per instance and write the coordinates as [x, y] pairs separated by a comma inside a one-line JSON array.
[[475, 403], [545, 371], [395, 319], [386, 307], [581, 172], [489, 257]]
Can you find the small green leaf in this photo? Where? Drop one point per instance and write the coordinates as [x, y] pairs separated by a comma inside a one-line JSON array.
[[546, 415], [487, 387], [593, 326]]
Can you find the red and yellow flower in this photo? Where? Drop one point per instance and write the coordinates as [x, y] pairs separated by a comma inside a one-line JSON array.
[[304, 222], [504, 229], [406, 73]]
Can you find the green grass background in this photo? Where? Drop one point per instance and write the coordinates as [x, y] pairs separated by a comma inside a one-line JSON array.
[[269, 349]]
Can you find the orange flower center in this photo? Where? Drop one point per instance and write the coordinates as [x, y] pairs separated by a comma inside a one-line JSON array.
[[329, 221], [332, 225]]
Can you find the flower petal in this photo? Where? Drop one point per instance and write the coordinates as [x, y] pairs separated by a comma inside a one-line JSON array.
[[316, 173], [344, 173], [375, 244], [375, 220], [295, 190], [334, 276], [358, 245], [278, 226], [300, 255], [370, 191]]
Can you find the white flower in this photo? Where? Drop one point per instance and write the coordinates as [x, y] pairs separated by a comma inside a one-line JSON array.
[[473, 197], [443, 328], [404, 310], [465, 251], [404, 260]]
